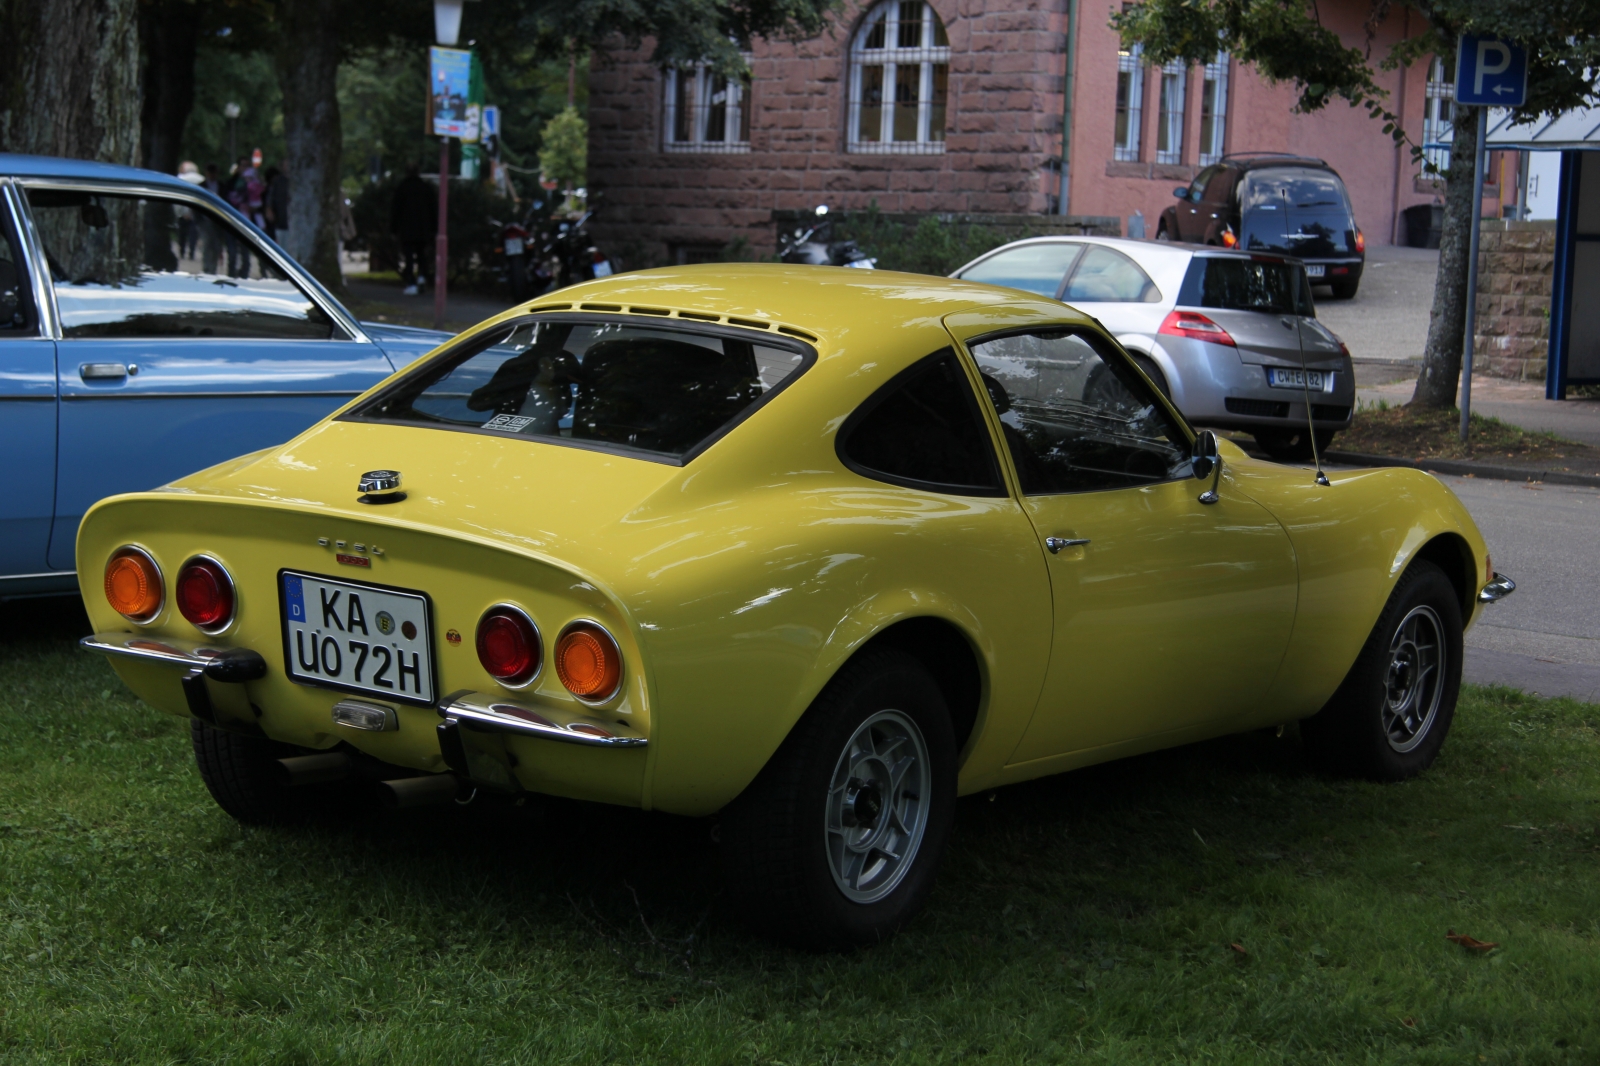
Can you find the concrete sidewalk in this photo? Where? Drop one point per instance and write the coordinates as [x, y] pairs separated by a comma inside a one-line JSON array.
[[1520, 403]]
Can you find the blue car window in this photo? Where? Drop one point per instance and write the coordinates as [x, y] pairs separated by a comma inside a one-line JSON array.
[[1031, 267], [655, 390], [13, 312], [121, 267]]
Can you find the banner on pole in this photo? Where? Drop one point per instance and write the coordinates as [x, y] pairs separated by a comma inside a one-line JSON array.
[[450, 114]]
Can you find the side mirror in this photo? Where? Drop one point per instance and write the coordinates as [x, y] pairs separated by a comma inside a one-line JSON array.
[[1181, 192], [1204, 456]]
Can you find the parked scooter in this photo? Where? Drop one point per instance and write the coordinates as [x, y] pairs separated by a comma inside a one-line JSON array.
[[811, 246], [516, 249]]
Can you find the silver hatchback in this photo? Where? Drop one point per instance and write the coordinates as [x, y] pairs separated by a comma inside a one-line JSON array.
[[1232, 337]]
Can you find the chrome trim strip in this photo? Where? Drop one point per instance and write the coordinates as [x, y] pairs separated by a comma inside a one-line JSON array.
[[1498, 589], [524, 719], [130, 394], [44, 292], [169, 651], [41, 574], [259, 240]]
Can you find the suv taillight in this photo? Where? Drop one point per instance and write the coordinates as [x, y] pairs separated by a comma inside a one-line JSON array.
[[1196, 327], [1361, 241], [1229, 238]]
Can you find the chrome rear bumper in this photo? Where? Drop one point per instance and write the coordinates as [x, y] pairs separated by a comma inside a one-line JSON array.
[[485, 712]]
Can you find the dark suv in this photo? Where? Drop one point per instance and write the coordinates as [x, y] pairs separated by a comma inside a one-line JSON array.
[[1268, 202]]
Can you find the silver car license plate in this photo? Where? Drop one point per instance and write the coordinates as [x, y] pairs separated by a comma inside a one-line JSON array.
[[369, 639], [1315, 380], [1315, 270]]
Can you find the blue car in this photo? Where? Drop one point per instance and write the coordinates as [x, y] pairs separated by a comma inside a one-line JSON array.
[[147, 330]]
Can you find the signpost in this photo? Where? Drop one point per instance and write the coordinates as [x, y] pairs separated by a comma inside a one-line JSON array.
[[1489, 73]]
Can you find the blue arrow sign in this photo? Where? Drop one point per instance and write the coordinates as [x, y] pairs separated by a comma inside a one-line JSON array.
[[1490, 72]]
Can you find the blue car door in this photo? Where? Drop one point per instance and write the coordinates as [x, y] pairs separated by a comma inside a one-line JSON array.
[[173, 359], [27, 419]]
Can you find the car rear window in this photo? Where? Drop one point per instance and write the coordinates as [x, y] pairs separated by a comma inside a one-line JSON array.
[[1233, 283], [1294, 188], [657, 391]]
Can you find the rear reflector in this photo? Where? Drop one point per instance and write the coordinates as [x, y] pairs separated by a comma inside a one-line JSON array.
[[1195, 326], [133, 584], [205, 594], [588, 662]]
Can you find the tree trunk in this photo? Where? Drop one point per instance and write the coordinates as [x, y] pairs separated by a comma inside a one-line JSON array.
[[168, 31], [307, 60], [69, 78], [1441, 359]]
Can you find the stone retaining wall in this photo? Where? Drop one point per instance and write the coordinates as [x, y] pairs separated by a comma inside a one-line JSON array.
[[1516, 262]]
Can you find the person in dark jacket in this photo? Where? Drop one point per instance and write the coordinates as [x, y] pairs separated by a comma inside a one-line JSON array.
[[414, 219], [276, 206]]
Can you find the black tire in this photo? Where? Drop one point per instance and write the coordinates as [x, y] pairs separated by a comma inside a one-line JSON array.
[[1292, 445], [1153, 372], [776, 839], [1362, 731], [243, 776], [1345, 290]]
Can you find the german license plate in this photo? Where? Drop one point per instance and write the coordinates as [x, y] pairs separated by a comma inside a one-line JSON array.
[[1315, 380], [1315, 270], [513, 246], [354, 637]]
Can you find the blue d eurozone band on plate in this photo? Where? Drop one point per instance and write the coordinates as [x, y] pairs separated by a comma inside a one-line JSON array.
[[357, 637]]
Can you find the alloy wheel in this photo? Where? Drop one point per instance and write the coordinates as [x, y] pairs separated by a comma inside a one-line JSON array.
[[877, 806], [1414, 682]]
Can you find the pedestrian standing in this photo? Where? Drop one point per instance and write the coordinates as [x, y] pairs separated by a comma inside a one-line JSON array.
[[236, 192], [210, 236], [414, 219], [188, 227], [275, 209]]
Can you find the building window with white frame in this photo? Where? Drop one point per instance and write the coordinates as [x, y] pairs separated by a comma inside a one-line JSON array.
[[899, 80], [1213, 109], [705, 111], [1436, 108], [1130, 100], [1169, 131]]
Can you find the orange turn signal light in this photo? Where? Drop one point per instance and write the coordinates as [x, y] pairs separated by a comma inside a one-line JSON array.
[[133, 584], [588, 662]]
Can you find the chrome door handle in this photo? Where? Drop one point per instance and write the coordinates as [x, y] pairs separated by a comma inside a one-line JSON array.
[[102, 371], [1055, 544]]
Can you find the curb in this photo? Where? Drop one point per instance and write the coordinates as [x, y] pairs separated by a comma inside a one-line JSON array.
[[1460, 468]]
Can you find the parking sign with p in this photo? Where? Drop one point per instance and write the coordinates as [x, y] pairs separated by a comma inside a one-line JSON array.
[[1490, 72]]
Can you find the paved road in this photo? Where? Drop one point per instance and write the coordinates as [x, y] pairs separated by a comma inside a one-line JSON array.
[[1388, 319], [1545, 637]]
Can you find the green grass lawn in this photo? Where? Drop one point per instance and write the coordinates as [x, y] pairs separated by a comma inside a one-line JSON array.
[[1086, 917]]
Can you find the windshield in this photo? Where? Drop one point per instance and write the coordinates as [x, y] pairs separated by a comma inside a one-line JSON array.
[[1232, 283], [1033, 267], [663, 392]]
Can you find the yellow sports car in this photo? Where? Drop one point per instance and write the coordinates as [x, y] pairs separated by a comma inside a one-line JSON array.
[[817, 549]]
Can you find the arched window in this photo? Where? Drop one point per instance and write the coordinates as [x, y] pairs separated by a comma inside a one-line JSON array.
[[899, 80]]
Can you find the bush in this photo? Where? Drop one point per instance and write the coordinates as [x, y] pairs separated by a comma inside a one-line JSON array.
[[473, 237]]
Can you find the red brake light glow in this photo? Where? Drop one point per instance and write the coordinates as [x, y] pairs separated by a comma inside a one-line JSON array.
[[1229, 239], [509, 646], [1195, 326], [1361, 242], [205, 593]]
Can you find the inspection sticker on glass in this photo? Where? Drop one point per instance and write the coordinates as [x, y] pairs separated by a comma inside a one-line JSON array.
[[514, 423]]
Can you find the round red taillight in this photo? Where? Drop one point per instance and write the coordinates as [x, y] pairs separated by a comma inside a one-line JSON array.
[[205, 593], [588, 662], [508, 646]]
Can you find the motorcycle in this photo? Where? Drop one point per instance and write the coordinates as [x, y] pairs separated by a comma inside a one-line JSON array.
[[515, 249], [811, 246]]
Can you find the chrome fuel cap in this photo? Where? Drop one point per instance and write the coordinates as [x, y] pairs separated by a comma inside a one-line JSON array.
[[380, 486]]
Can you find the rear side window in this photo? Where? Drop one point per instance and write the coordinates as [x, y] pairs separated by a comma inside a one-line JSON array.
[[1233, 283], [1036, 268], [1105, 275], [656, 391], [924, 430], [13, 297]]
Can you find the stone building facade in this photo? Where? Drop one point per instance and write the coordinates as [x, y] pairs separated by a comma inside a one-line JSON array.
[[1516, 268], [956, 106]]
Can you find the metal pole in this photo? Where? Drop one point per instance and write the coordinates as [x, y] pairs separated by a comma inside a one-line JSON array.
[[1472, 275], [441, 246]]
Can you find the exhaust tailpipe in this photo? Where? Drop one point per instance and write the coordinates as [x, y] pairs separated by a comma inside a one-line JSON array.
[[315, 769], [425, 791]]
